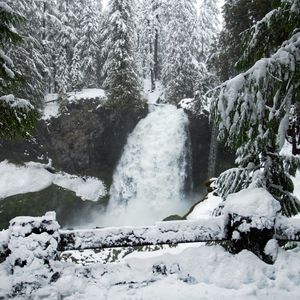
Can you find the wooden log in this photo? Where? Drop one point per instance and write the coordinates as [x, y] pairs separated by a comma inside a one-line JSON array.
[[287, 229], [173, 232]]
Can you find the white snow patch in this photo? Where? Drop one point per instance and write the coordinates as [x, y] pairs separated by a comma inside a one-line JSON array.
[[33, 177], [252, 202], [88, 188], [205, 208], [87, 94], [186, 103], [22, 179]]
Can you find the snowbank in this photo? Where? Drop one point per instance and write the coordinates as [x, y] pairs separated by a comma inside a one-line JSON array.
[[33, 177]]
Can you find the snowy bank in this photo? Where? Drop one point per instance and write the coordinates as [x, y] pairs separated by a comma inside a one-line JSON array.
[[34, 177]]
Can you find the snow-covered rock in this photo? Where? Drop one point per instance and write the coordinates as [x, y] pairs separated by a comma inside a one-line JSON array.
[[51, 109]]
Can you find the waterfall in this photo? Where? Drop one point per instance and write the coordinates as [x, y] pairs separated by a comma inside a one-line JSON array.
[[150, 180], [213, 150]]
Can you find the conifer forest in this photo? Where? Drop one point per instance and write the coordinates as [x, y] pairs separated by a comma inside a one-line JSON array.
[[150, 149]]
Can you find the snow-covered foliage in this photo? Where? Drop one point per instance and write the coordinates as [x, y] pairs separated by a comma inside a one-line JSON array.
[[253, 109], [34, 177], [209, 25], [261, 39], [17, 115]]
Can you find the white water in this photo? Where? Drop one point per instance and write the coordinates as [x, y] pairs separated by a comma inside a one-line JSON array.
[[150, 179]]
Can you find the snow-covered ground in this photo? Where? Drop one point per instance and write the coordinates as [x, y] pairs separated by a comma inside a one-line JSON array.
[[196, 272], [51, 109], [33, 177]]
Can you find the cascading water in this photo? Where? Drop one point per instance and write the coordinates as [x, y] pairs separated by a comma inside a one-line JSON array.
[[150, 180]]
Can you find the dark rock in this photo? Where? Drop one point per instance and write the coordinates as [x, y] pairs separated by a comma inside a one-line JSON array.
[[200, 133]]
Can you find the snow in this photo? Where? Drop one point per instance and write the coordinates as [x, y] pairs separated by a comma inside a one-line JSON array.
[[187, 103], [87, 94], [296, 181], [200, 230], [20, 180], [88, 188], [205, 208], [51, 109], [252, 202], [34, 177], [197, 272], [16, 102]]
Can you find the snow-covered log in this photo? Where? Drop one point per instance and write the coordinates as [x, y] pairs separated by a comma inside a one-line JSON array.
[[173, 232], [287, 229]]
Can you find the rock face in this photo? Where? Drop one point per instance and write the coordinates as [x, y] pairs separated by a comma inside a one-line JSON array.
[[88, 140], [200, 133], [85, 139]]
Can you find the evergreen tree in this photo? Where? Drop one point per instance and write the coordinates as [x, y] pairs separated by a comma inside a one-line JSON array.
[[239, 16], [17, 115], [149, 31], [209, 24], [121, 79], [253, 109], [180, 65], [29, 55]]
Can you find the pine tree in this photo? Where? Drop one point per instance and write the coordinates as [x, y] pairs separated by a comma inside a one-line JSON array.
[[75, 72], [149, 31], [87, 45], [17, 115], [29, 56], [253, 109], [209, 26], [121, 79], [180, 65]]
